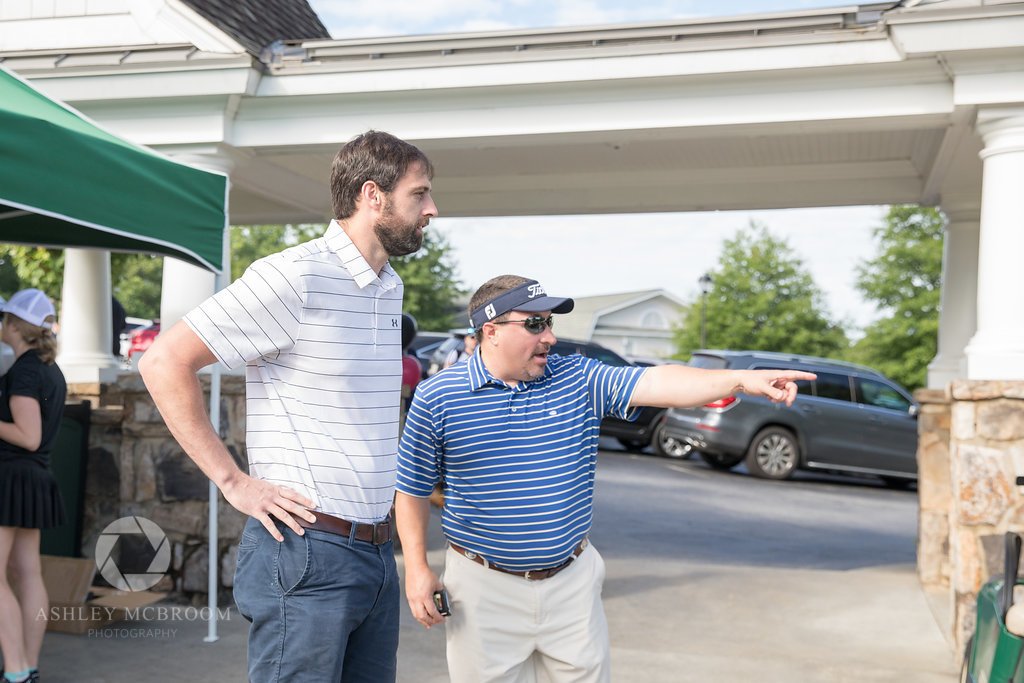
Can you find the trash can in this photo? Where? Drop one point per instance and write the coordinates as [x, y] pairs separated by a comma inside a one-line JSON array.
[[68, 459]]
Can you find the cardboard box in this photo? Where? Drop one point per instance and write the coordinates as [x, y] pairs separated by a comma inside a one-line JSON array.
[[76, 606]]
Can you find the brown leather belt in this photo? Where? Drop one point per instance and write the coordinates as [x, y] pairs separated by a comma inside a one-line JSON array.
[[377, 533], [529, 575]]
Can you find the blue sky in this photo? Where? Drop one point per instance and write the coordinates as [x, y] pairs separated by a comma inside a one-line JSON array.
[[350, 19], [591, 255]]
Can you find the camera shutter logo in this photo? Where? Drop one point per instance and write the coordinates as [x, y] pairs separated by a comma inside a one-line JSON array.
[[135, 526]]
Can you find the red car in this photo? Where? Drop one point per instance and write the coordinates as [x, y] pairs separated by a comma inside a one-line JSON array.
[[142, 338]]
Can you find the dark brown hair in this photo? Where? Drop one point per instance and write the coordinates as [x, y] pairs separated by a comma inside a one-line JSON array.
[[376, 156]]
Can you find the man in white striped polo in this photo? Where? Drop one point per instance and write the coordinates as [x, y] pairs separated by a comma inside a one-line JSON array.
[[318, 328], [513, 434]]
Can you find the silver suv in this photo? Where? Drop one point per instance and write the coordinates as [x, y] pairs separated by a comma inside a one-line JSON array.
[[851, 419]]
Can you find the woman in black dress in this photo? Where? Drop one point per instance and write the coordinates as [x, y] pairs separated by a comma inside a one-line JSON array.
[[31, 405]]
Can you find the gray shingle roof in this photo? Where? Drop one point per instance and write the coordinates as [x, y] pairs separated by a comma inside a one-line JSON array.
[[258, 23]]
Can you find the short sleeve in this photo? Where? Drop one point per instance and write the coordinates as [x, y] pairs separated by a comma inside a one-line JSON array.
[[419, 451], [611, 388], [27, 380], [257, 315]]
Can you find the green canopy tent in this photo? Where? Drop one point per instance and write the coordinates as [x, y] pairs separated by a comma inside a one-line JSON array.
[[66, 182]]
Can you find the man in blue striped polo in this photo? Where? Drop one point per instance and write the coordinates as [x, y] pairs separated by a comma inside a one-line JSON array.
[[318, 328], [513, 436]]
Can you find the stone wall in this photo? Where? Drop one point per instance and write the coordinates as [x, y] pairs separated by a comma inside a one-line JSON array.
[[982, 501], [135, 467], [934, 490]]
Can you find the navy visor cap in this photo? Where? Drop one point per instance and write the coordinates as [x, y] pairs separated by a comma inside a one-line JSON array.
[[529, 297]]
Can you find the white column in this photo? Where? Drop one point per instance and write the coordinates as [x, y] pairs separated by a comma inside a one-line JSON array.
[[958, 319], [85, 334], [185, 286], [996, 351]]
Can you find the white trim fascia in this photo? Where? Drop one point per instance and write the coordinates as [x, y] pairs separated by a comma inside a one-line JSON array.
[[435, 74], [189, 23]]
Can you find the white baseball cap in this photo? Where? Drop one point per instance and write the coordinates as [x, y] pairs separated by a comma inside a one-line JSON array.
[[32, 306]]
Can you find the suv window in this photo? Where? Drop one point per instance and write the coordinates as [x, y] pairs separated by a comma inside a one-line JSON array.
[[832, 385], [698, 360], [879, 394], [606, 356], [803, 386]]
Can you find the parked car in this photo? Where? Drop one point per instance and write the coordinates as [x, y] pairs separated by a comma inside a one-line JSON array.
[[454, 341], [130, 325], [851, 419], [648, 429], [424, 345], [142, 338]]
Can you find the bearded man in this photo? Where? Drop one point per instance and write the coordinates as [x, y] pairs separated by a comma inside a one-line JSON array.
[[318, 328]]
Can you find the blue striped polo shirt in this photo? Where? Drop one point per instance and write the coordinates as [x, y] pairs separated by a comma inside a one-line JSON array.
[[518, 462]]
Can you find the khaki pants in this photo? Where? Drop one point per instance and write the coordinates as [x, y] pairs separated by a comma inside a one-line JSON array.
[[505, 628]]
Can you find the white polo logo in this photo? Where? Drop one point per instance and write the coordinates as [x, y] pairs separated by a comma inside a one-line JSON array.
[[489, 311], [535, 291], [157, 566]]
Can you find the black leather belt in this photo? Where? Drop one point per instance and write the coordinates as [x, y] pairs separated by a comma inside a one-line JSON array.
[[529, 575], [377, 533]]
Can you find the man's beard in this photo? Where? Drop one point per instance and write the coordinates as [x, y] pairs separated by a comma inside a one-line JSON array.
[[396, 236]]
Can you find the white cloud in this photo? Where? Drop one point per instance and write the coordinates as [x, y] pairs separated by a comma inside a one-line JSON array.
[[348, 19]]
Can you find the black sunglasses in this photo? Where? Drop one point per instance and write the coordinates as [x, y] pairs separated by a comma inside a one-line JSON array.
[[534, 324]]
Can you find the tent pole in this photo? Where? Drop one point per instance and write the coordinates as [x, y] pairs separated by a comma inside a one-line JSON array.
[[213, 584], [222, 280]]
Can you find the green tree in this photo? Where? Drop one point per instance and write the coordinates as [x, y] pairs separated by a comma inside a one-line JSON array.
[[38, 267], [762, 298], [252, 242], [136, 280], [905, 280], [9, 282], [431, 285]]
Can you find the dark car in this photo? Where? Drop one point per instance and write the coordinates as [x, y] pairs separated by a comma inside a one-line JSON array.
[[852, 419], [648, 429], [424, 344]]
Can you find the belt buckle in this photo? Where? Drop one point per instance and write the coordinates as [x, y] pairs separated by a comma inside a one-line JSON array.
[[378, 529], [526, 575]]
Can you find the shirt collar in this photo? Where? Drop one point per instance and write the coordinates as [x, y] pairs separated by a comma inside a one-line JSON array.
[[352, 259], [480, 376]]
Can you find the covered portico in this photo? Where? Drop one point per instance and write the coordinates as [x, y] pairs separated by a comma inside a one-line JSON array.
[[919, 101]]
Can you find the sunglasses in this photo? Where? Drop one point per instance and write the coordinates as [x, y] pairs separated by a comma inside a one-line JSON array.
[[534, 324]]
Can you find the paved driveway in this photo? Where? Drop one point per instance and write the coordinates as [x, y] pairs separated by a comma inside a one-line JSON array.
[[712, 576]]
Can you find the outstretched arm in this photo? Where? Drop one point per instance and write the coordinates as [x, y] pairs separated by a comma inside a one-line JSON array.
[[169, 370], [682, 386]]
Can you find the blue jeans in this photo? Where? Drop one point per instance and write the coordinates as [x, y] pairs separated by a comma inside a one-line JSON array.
[[323, 607]]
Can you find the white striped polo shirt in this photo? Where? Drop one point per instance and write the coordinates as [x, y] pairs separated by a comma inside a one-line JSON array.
[[320, 335], [518, 462]]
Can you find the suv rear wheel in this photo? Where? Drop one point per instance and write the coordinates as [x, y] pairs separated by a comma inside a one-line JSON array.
[[773, 454], [669, 447]]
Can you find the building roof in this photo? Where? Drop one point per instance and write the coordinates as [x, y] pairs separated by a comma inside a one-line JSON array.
[[580, 323], [255, 24]]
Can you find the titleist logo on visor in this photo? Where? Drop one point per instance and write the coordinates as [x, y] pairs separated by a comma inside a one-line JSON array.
[[529, 297]]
